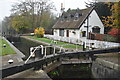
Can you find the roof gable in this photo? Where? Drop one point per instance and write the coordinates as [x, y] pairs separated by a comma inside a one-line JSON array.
[[67, 20]]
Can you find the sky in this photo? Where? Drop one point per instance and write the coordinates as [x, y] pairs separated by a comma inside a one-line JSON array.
[[5, 6]]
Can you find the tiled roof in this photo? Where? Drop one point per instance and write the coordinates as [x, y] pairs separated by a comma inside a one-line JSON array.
[[69, 21]]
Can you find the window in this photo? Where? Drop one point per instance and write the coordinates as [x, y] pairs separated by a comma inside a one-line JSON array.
[[65, 17], [85, 26], [96, 29], [62, 18], [80, 14], [72, 16], [84, 34], [76, 16], [61, 32], [69, 17]]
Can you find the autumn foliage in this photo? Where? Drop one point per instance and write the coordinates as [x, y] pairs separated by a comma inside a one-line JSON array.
[[114, 19], [39, 32], [114, 32]]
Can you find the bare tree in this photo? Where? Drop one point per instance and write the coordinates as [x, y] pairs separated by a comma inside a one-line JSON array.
[[33, 9]]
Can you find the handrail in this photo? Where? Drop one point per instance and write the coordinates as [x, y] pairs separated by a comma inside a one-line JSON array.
[[46, 50], [32, 52]]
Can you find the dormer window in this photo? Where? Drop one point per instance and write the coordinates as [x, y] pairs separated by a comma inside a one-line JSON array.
[[65, 17], [62, 18], [72, 16], [80, 14], [69, 17], [76, 16]]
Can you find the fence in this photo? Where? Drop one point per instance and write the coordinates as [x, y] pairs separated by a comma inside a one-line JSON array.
[[89, 43]]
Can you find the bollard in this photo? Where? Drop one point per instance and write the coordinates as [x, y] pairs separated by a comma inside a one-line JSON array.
[[4, 45], [10, 61], [84, 46]]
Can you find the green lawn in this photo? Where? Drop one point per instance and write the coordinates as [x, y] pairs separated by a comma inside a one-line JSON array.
[[58, 42], [7, 50]]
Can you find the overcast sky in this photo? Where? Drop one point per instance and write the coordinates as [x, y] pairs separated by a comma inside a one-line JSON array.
[[5, 5]]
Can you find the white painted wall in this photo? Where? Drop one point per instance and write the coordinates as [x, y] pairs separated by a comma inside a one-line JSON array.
[[74, 35], [71, 34], [94, 20], [56, 32]]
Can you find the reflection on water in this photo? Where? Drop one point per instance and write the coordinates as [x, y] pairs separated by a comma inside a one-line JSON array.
[[71, 71]]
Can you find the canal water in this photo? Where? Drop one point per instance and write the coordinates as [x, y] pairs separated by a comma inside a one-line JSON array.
[[24, 46], [71, 71]]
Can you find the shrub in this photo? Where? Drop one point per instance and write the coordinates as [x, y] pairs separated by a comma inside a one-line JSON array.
[[39, 32], [109, 38]]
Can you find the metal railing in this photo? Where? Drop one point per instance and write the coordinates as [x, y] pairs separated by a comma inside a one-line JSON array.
[[32, 52], [43, 51], [97, 44]]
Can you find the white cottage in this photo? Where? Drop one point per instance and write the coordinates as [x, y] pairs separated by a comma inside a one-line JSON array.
[[78, 23]]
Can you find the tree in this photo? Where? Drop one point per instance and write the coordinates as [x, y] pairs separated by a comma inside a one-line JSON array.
[[101, 8], [34, 9], [20, 23], [116, 14], [47, 20], [6, 26], [114, 19]]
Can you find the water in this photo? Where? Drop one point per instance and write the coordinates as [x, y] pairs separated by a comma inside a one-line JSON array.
[[24, 46], [76, 71]]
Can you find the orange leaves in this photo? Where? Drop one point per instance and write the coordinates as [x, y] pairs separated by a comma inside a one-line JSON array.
[[108, 21], [115, 18]]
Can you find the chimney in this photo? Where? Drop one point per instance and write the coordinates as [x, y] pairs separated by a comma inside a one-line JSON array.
[[62, 8]]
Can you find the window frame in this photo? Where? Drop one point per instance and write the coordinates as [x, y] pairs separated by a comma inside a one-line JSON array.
[[61, 32]]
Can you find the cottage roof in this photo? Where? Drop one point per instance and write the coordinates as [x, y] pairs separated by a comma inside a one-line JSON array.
[[67, 20]]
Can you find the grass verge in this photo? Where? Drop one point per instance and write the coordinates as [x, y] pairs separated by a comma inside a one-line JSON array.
[[59, 43], [5, 50]]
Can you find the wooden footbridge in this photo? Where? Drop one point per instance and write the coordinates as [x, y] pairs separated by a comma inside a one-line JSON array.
[[50, 59]]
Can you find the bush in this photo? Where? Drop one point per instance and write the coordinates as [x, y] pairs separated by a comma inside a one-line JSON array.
[[109, 38], [39, 32]]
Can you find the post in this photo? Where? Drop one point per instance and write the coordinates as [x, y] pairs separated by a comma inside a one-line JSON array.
[[60, 48], [50, 50], [31, 52], [83, 46], [42, 49], [76, 47], [54, 50], [45, 52]]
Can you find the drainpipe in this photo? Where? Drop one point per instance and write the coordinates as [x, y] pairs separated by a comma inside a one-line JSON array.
[[87, 30], [87, 27]]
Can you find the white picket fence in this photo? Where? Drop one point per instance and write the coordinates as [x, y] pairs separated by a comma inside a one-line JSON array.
[[89, 43]]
